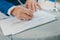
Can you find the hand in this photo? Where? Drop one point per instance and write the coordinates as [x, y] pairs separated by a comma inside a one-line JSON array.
[[32, 4], [22, 13]]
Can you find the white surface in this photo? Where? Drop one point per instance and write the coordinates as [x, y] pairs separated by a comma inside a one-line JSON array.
[[2, 16], [13, 26]]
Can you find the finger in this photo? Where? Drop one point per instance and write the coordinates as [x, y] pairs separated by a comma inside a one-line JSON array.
[[29, 6], [20, 17], [26, 17], [28, 12], [26, 5], [31, 12], [39, 5], [33, 7]]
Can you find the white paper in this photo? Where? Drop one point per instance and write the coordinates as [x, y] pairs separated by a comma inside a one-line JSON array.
[[13, 25]]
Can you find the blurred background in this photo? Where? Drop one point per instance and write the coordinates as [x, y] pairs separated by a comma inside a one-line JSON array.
[[50, 4]]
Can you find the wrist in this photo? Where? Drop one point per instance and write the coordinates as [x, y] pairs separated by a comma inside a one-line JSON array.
[[13, 11], [10, 10]]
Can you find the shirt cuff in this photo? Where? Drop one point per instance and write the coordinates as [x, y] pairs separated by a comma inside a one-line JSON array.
[[10, 9]]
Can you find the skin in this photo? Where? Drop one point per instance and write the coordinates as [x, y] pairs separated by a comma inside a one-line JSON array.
[[26, 12], [32, 4]]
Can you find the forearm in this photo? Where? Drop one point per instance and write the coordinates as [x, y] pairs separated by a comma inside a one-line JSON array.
[[4, 6]]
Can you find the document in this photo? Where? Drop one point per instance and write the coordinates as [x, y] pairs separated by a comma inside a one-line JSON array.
[[12, 25]]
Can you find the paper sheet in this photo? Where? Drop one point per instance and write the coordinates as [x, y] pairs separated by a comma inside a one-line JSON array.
[[12, 25]]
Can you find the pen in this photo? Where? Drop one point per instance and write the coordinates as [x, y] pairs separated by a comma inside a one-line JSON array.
[[21, 3]]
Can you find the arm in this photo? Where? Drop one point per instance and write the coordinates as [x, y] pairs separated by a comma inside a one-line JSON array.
[[18, 12], [4, 6]]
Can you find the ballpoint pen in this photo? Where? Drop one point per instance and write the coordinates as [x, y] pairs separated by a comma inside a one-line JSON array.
[[21, 3]]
